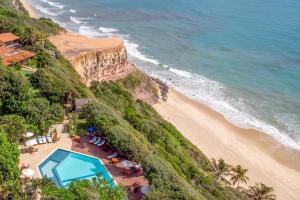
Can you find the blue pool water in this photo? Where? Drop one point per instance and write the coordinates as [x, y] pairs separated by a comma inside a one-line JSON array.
[[63, 167], [241, 58]]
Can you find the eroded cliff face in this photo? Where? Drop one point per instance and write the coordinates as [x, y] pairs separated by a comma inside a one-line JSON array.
[[103, 64]]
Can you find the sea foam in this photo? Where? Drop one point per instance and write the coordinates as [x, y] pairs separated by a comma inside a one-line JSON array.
[[107, 30], [54, 4], [44, 10]]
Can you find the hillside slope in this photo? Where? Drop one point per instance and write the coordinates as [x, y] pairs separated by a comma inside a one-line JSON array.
[[33, 101]]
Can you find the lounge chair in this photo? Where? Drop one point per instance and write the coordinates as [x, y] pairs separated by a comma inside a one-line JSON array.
[[101, 143], [97, 141], [93, 140], [112, 156], [41, 139], [49, 138], [31, 142]]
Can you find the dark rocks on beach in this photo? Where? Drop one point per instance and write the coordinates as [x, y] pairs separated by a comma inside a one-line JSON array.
[[164, 88]]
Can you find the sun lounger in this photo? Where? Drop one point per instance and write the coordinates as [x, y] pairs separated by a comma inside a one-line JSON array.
[[97, 141], [93, 140], [31, 142], [41, 140], [112, 156], [48, 138], [101, 143]]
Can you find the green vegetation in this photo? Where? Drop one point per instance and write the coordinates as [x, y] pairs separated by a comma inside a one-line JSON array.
[[259, 192], [78, 190], [175, 168], [34, 101]]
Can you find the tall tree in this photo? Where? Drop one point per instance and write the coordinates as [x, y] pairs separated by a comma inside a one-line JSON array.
[[9, 158], [220, 170], [259, 192], [238, 175], [14, 126]]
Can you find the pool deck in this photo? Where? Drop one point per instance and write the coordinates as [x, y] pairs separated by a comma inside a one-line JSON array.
[[84, 147]]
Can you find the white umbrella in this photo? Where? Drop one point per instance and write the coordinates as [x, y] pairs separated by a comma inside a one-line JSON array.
[[31, 142], [127, 164], [27, 172], [28, 134]]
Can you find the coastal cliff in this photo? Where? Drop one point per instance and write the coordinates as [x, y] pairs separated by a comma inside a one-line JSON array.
[[105, 59], [103, 64], [101, 59]]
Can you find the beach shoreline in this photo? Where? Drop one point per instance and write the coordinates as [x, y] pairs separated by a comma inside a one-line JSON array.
[[31, 11], [268, 160]]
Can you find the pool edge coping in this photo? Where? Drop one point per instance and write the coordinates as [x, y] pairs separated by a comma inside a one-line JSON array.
[[99, 159]]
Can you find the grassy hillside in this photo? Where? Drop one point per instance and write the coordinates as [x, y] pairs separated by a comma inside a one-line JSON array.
[[33, 101]]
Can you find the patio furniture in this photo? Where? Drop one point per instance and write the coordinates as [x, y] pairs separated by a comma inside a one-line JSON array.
[[112, 156], [31, 142], [101, 143], [27, 172], [93, 140], [32, 149], [41, 139], [97, 141], [127, 164], [49, 138], [115, 161]]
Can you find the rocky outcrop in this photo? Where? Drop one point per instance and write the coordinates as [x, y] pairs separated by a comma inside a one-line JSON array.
[[103, 64]]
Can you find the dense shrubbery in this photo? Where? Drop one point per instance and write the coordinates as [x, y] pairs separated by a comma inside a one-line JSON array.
[[175, 168], [9, 158], [84, 190]]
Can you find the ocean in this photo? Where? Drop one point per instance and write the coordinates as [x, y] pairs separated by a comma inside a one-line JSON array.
[[241, 58]]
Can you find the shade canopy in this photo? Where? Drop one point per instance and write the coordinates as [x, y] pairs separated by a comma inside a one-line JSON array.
[[127, 164], [28, 134], [27, 172], [92, 129]]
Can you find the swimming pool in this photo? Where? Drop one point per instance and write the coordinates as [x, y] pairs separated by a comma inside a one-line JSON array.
[[63, 167]]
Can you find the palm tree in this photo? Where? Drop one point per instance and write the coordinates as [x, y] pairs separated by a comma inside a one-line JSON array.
[[33, 190], [220, 170], [238, 175], [260, 192]]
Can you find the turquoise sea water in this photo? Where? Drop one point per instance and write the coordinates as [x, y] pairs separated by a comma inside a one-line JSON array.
[[63, 167], [241, 58]]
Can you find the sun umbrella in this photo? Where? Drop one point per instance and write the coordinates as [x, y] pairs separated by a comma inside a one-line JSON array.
[[127, 164], [27, 172], [28, 134]]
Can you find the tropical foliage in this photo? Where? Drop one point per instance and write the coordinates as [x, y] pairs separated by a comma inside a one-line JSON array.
[[259, 192], [34, 101], [238, 175]]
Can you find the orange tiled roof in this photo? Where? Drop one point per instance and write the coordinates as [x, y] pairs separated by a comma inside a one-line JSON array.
[[10, 56], [7, 37]]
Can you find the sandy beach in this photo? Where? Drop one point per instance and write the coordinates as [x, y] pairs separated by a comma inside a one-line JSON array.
[[29, 9], [267, 160]]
